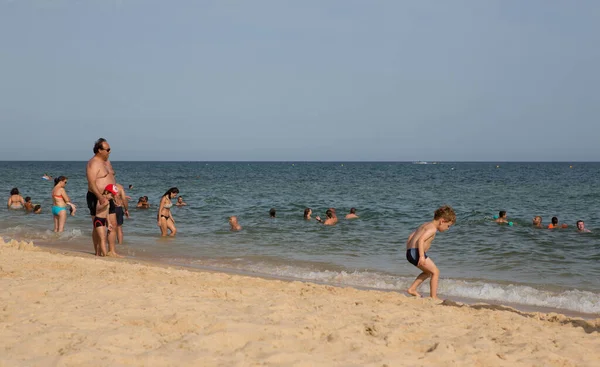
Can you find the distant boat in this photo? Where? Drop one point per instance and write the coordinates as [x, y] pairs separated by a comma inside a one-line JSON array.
[[420, 162]]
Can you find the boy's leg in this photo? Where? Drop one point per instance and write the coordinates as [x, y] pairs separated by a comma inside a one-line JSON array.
[[420, 279], [95, 238], [101, 233], [434, 272], [112, 235]]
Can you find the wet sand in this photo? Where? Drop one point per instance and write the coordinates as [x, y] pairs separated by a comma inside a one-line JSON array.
[[82, 310]]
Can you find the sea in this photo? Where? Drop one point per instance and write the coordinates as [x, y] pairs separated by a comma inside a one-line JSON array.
[[479, 260]]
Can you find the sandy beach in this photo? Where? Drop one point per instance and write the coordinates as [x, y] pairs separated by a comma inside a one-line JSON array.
[[75, 310]]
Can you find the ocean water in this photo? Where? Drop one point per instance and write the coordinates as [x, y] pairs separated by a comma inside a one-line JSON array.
[[477, 258]]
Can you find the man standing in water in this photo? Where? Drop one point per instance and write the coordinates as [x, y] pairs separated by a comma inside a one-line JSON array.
[[99, 174]]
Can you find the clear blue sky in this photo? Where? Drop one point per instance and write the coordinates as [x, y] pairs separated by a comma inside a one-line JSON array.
[[301, 80]]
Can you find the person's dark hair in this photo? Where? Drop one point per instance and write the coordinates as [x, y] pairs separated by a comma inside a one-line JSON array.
[[329, 213], [501, 213], [28, 199], [59, 179], [130, 186], [554, 220], [352, 210], [145, 198], [306, 211], [98, 145], [141, 199], [14, 191], [579, 221], [172, 190], [272, 212], [37, 207]]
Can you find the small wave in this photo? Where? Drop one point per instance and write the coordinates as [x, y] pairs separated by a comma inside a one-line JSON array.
[[572, 300], [27, 233]]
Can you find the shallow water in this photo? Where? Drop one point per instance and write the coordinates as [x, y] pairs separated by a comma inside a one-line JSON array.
[[477, 258]]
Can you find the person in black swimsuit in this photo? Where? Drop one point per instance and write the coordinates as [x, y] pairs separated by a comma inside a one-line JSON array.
[[164, 217]]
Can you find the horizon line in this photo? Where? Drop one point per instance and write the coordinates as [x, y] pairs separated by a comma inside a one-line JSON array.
[[432, 162]]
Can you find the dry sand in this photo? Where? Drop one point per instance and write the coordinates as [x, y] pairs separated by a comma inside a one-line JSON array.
[[83, 311]]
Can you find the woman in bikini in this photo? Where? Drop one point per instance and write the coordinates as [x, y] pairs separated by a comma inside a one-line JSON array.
[[15, 201], [60, 200], [164, 218]]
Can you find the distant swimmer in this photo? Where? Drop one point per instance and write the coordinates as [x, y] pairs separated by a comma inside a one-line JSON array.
[[352, 214], [233, 224], [46, 177], [143, 202], [502, 217], [15, 200], [555, 224], [419, 242], [180, 201], [28, 205], [330, 220], [537, 222], [307, 213], [581, 227], [272, 213], [165, 219]]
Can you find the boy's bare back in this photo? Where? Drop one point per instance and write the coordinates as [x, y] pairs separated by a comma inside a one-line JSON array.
[[425, 233]]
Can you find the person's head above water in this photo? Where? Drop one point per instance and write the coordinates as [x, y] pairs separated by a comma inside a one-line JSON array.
[[554, 220], [272, 212]]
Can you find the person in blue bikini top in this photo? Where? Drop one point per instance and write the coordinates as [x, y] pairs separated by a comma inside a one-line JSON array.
[[60, 201]]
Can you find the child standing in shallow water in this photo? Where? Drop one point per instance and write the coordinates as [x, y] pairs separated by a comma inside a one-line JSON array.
[[419, 242]]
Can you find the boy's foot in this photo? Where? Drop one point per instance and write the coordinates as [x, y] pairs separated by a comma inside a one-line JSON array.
[[113, 254], [413, 293]]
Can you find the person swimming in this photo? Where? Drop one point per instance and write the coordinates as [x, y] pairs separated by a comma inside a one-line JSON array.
[[15, 200]]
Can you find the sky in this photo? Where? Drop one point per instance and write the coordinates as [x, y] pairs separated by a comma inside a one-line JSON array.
[[312, 80]]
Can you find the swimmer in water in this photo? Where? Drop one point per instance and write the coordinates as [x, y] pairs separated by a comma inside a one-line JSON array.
[[234, 225], [352, 214], [555, 224], [537, 222], [180, 201], [307, 213], [28, 205], [15, 200], [502, 217], [581, 227], [330, 220], [37, 209]]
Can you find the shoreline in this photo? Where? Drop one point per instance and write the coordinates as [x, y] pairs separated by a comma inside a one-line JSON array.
[[71, 251], [77, 309]]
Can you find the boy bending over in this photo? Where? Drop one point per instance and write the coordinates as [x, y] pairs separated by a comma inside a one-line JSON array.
[[419, 242]]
